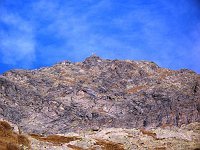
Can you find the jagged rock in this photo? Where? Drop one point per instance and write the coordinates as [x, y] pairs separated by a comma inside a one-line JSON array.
[[99, 93]]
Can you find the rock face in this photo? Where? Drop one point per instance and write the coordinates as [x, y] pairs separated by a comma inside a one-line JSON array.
[[98, 93]]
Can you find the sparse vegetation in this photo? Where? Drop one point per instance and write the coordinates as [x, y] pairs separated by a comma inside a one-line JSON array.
[[5, 125], [149, 133], [55, 139], [108, 145], [160, 148], [10, 140], [75, 147]]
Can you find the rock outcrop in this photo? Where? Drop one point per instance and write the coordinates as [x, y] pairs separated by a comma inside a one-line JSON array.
[[99, 93], [169, 138]]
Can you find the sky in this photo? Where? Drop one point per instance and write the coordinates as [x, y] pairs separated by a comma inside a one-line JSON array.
[[40, 33]]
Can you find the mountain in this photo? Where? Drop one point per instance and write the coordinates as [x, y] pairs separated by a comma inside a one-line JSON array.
[[99, 93], [100, 104]]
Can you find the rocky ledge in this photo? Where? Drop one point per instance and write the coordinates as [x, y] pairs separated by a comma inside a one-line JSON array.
[[99, 93]]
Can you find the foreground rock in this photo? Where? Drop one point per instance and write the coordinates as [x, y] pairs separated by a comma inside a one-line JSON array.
[[98, 93], [168, 138], [184, 138]]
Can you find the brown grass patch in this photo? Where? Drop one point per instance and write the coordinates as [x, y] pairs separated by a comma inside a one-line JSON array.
[[160, 148], [149, 133], [75, 147], [55, 139], [108, 145], [11, 146], [10, 140], [23, 140], [135, 89], [5, 125]]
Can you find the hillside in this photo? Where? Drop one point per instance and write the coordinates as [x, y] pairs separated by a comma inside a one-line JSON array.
[[99, 94]]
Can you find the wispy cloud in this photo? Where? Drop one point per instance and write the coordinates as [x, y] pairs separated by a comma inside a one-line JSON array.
[[17, 44], [166, 32], [82, 33]]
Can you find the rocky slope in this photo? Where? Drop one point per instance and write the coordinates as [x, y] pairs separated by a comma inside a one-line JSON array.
[[98, 93], [184, 138], [187, 137]]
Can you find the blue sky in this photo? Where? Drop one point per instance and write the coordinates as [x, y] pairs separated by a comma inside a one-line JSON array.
[[38, 33]]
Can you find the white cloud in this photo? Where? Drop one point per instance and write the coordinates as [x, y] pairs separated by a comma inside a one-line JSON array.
[[78, 31], [17, 42]]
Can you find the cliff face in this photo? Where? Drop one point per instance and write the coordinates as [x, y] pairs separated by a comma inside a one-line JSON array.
[[99, 93]]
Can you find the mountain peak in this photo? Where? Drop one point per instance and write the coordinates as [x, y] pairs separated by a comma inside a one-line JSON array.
[[92, 60]]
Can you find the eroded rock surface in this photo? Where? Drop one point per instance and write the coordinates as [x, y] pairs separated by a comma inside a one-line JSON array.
[[98, 93], [128, 139], [186, 137]]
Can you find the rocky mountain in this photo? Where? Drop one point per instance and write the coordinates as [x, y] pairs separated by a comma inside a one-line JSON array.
[[99, 93]]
